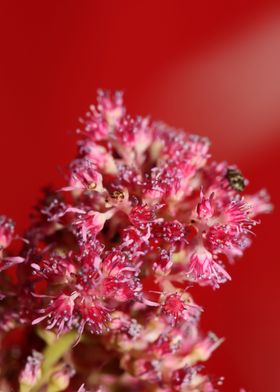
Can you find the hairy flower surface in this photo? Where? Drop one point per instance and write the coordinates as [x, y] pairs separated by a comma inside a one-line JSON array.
[[101, 287]]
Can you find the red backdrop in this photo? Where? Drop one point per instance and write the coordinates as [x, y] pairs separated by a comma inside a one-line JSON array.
[[212, 68]]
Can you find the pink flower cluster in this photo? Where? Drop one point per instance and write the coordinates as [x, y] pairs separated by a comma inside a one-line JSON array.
[[111, 257]]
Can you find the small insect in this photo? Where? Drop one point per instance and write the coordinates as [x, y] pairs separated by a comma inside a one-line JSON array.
[[235, 179], [118, 195]]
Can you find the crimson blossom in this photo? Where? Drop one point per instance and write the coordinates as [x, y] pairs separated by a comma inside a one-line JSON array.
[[98, 296]]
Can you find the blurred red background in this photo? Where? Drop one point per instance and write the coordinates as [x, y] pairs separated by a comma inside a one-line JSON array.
[[209, 67]]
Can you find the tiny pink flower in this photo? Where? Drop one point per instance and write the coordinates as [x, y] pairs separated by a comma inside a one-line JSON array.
[[142, 214], [93, 315], [260, 203], [7, 229], [203, 268], [163, 263], [205, 208], [59, 313], [204, 347], [32, 370], [92, 222], [99, 157], [62, 377], [176, 308], [100, 121], [84, 176]]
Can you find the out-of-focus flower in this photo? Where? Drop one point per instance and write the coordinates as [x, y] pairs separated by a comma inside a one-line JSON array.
[[7, 229], [32, 370]]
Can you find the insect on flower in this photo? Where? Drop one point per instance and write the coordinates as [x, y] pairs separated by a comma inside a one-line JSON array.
[[235, 179]]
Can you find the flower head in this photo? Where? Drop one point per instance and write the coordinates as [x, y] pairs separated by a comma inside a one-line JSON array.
[[111, 256]]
